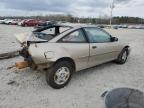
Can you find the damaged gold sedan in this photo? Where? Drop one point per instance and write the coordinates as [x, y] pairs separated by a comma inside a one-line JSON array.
[[63, 50]]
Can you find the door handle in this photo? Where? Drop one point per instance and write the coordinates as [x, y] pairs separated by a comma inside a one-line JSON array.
[[94, 47]]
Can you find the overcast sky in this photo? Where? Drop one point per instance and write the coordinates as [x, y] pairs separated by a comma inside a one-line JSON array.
[[81, 8]]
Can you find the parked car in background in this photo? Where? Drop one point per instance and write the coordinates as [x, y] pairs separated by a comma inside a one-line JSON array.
[[139, 26], [124, 26], [30, 22], [132, 27], [2, 21], [44, 24], [9, 21], [20, 23], [115, 26], [15, 21], [101, 26], [63, 50]]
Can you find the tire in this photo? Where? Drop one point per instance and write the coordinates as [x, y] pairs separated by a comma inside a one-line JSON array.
[[52, 75], [25, 25], [122, 58], [9, 23]]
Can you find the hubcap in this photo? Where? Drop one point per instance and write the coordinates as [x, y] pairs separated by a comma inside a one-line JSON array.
[[124, 56], [62, 75]]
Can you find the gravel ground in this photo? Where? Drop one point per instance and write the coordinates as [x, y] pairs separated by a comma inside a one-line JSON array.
[[29, 88], [7, 39]]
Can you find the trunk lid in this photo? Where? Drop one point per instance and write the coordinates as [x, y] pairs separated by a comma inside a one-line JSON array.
[[28, 37]]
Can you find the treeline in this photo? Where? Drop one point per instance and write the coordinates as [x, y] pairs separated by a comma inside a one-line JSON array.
[[70, 18], [128, 20]]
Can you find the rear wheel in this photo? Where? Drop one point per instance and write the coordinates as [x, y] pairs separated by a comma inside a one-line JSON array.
[[25, 25], [9, 23], [122, 58], [60, 74]]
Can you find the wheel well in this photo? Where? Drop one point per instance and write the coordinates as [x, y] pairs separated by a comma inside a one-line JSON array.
[[67, 59], [127, 48]]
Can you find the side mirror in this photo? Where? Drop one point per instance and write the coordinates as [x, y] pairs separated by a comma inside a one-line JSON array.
[[113, 39]]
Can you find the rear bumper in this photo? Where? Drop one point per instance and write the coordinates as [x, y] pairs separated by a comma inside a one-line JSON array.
[[29, 59]]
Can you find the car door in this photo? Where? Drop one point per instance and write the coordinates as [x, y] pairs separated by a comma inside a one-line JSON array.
[[76, 45], [102, 49]]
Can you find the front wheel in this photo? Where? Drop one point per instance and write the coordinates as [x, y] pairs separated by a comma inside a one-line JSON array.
[[59, 75], [122, 58]]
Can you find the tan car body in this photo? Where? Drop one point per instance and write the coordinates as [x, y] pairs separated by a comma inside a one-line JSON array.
[[82, 54]]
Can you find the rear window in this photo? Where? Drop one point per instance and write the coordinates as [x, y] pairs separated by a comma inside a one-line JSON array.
[[50, 33]]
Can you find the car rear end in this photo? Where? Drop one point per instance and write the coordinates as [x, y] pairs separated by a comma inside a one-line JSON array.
[[29, 44]]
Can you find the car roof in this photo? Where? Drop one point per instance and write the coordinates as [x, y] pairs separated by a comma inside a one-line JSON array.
[[71, 25], [78, 25]]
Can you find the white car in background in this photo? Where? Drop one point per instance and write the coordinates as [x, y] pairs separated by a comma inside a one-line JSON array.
[[2, 21], [8, 21], [12, 21], [139, 26]]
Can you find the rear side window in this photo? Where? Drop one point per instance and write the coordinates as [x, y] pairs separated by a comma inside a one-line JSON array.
[[50, 31], [96, 35], [74, 37]]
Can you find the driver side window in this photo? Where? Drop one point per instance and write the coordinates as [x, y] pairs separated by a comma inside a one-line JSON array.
[[96, 35]]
